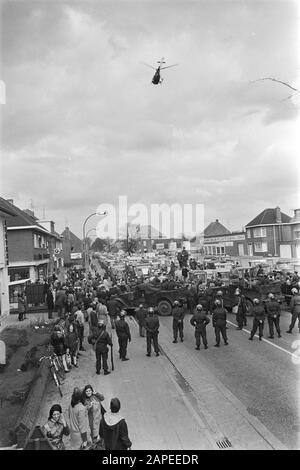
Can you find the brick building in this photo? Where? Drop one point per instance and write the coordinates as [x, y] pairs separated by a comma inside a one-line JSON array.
[[72, 249], [5, 211], [218, 241]]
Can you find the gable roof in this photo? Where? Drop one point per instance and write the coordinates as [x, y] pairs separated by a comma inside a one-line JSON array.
[[215, 229], [6, 208], [268, 217], [74, 240], [20, 217]]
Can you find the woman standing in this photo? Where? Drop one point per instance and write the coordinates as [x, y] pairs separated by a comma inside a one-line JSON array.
[[56, 427], [92, 401], [72, 343], [79, 423], [21, 306]]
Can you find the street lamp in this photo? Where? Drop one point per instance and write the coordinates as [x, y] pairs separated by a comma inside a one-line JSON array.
[[84, 236]]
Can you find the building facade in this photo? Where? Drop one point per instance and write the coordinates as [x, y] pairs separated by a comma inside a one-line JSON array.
[[220, 242], [72, 248], [5, 211]]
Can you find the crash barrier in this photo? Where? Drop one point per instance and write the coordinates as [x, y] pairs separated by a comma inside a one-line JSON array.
[[30, 411]]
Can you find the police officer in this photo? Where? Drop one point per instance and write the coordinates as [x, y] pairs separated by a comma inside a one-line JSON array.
[[240, 309], [178, 316], [273, 312], [219, 323], [123, 334], [140, 315], [152, 327], [259, 314], [200, 320], [102, 340], [295, 310]]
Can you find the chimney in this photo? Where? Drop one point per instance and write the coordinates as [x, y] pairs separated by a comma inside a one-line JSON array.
[[11, 201], [217, 220], [278, 215], [29, 212], [296, 214]]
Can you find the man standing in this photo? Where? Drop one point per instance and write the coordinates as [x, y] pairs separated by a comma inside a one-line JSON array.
[[102, 340], [140, 315], [240, 309], [152, 327], [259, 314], [113, 310], [200, 320], [50, 302], [219, 323], [79, 318], [295, 310], [178, 316], [273, 312], [60, 301], [123, 333]]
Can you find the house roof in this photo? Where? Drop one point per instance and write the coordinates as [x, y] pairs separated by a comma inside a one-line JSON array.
[[6, 208], [268, 217], [75, 241], [19, 218], [215, 229]]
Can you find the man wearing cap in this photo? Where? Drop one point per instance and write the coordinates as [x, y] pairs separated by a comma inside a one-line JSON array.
[[273, 312], [178, 316], [140, 315], [200, 320], [123, 333], [259, 314], [152, 327], [219, 323], [102, 340], [295, 310]]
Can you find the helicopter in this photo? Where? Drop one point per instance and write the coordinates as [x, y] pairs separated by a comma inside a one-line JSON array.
[[156, 79]]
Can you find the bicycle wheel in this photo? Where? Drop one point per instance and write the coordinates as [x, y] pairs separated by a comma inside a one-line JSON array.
[[59, 368], [56, 381]]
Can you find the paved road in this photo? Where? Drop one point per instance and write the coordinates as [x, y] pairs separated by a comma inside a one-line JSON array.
[[264, 378]]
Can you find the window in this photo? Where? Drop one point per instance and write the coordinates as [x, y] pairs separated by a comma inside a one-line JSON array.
[[35, 241], [223, 250], [260, 246], [259, 232], [297, 234], [248, 233]]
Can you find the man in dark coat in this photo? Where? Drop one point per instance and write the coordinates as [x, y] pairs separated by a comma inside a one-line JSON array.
[[140, 315], [273, 312], [50, 302], [178, 316], [219, 323], [240, 309], [113, 310], [123, 333], [200, 320], [259, 315], [113, 428], [102, 340], [152, 327]]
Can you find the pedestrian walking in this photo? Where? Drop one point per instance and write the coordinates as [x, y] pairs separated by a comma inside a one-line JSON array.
[[140, 315], [200, 320], [101, 341], [259, 315], [21, 306], [219, 318], [295, 310], [113, 428], [92, 400], [178, 316], [56, 427], [78, 419], [152, 330], [123, 334], [273, 312], [240, 309], [50, 302]]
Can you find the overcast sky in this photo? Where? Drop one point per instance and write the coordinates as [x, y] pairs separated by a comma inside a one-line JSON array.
[[83, 124]]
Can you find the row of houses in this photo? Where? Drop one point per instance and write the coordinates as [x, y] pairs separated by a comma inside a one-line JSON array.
[[31, 249]]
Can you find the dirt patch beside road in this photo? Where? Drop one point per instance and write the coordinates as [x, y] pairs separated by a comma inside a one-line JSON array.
[[24, 346]]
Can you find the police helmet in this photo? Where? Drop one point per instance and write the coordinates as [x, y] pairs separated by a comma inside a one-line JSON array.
[[256, 301], [294, 291], [271, 296], [217, 302], [199, 307], [237, 291], [150, 310], [176, 303], [219, 292], [122, 313]]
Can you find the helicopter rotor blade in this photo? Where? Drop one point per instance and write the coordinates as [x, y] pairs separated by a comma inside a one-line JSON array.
[[168, 66], [147, 65]]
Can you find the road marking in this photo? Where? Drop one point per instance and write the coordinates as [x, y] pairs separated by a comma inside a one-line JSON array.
[[269, 342]]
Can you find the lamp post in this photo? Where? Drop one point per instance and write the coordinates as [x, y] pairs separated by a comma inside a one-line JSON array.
[[84, 236]]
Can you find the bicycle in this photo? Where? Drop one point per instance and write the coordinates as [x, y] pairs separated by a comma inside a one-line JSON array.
[[54, 369]]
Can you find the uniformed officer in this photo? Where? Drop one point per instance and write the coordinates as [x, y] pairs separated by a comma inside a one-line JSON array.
[[295, 310], [102, 340], [178, 316], [259, 315], [140, 315], [240, 309], [152, 327], [219, 323], [200, 320], [273, 312], [123, 334]]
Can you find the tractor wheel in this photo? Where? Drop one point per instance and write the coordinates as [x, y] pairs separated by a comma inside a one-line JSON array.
[[164, 308]]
